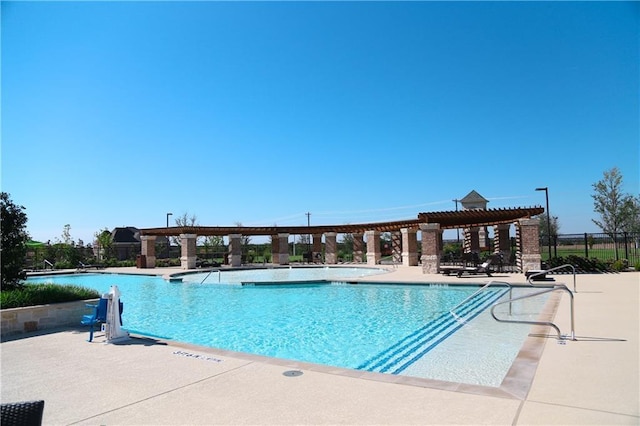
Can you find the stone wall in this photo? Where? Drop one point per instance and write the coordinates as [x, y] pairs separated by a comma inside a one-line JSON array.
[[41, 317]]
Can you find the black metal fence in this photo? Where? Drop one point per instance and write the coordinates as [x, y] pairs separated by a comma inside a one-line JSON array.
[[605, 247]]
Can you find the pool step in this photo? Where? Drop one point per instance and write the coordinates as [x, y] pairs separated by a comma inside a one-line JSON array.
[[411, 348]]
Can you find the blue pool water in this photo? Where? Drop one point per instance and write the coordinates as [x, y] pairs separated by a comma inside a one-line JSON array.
[[373, 327], [238, 276]]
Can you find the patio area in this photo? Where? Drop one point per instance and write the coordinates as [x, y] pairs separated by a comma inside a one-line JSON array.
[[594, 380]]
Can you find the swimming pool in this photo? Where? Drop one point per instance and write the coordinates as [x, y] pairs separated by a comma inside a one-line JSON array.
[[388, 328]]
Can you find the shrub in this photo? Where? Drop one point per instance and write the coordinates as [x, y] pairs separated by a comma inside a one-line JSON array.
[[42, 294], [63, 264], [164, 263], [620, 265]]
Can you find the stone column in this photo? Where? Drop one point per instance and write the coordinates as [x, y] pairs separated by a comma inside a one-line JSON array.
[[431, 234], [529, 244], [483, 237], [373, 247], [396, 247], [409, 247], [275, 249], [149, 249], [235, 249], [316, 250], [188, 247], [283, 258], [358, 245], [502, 242], [330, 248], [472, 240]]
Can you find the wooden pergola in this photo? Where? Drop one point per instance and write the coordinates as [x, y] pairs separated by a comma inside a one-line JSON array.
[[446, 220], [404, 237]]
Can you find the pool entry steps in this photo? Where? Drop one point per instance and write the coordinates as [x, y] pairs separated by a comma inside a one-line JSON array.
[[401, 355]]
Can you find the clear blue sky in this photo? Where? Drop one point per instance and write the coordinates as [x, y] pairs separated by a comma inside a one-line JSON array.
[[115, 113]]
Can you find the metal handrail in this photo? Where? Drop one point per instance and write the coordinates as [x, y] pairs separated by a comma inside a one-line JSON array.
[[207, 276], [457, 317], [554, 269], [545, 323], [46, 262]]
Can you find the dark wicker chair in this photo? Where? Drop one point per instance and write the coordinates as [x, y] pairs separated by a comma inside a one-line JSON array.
[[28, 413]]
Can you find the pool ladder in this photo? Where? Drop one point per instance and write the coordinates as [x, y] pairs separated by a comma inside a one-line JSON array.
[[556, 287], [207, 276]]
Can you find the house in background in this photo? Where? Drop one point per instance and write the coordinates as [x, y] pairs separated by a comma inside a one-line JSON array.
[[125, 243], [480, 241]]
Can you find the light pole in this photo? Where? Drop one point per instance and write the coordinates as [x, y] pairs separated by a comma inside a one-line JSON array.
[[546, 194], [457, 229], [168, 245], [309, 239]]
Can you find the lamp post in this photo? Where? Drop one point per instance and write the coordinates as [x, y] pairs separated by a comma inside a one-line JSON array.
[[546, 194], [457, 229], [309, 239], [168, 245]]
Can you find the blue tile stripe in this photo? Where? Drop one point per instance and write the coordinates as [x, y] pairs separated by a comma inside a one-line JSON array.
[[401, 355], [430, 329]]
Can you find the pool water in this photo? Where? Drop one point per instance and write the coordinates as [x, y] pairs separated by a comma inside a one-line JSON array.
[[239, 276], [388, 328]]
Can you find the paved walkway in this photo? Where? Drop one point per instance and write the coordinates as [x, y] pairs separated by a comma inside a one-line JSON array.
[[594, 380]]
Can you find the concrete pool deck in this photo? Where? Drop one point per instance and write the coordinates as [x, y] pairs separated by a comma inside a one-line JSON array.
[[594, 380]]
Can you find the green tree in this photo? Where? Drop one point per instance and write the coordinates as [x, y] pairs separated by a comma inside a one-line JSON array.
[[632, 215], [611, 203], [66, 235], [65, 253], [544, 226], [104, 243], [614, 207], [14, 237], [213, 243], [184, 220], [347, 242]]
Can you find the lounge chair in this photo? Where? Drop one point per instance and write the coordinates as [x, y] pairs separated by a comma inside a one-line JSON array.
[[83, 267], [98, 316], [482, 269], [537, 275], [448, 270]]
